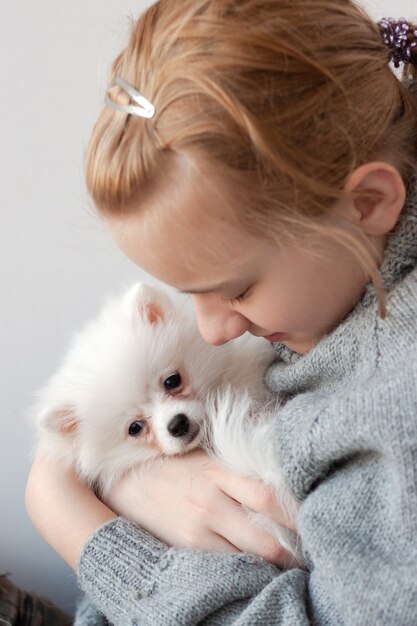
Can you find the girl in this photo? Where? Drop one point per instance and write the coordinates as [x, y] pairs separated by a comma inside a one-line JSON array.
[[261, 156]]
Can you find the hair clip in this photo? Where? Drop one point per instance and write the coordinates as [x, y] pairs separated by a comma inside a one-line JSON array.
[[396, 35], [146, 108]]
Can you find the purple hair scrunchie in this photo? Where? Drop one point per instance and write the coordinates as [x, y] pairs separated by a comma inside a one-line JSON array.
[[396, 36]]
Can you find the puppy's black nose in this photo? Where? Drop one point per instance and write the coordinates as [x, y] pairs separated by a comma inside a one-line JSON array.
[[179, 425]]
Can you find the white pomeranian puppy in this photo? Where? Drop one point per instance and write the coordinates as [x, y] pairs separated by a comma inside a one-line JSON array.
[[140, 382]]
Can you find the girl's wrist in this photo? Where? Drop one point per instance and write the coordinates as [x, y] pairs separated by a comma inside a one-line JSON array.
[[63, 509]]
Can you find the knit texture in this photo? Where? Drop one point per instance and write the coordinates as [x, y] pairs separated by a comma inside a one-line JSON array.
[[346, 437]]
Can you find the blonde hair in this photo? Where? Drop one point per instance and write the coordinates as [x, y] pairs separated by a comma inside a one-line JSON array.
[[282, 97]]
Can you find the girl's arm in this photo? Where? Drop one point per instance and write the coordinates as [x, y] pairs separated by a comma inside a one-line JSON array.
[[188, 501], [63, 510]]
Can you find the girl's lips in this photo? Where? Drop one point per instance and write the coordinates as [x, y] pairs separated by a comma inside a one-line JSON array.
[[275, 337]]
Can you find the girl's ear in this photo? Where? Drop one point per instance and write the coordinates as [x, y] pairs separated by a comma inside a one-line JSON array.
[[147, 303], [61, 420], [379, 197]]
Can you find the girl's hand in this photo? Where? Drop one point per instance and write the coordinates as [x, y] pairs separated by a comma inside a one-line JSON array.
[[62, 509], [192, 501]]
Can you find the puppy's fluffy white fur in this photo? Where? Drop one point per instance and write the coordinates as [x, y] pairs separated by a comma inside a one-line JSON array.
[[139, 382]]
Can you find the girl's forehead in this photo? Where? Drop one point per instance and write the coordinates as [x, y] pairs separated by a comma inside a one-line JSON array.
[[188, 241]]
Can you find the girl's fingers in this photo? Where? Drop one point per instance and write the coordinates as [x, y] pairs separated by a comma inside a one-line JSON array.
[[251, 493], [217, 543], [235, 526]]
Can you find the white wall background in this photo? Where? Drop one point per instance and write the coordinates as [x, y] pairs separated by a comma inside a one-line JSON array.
[[56, 261]]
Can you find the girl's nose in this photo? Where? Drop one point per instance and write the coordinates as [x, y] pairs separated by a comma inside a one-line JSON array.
[[217, 322]]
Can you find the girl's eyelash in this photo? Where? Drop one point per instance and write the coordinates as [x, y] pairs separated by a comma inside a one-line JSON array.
[[239, 298]]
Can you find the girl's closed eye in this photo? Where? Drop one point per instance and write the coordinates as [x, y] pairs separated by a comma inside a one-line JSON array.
[[240, 297]]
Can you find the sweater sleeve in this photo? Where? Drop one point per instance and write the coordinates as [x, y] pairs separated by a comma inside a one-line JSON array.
[[134, 579], [357, 522]]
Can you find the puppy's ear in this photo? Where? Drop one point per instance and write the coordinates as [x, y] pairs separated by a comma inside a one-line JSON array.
[[153, 313], [62, 420], [148, 303]]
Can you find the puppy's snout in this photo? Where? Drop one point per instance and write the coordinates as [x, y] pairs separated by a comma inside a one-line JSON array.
[[179, 425]]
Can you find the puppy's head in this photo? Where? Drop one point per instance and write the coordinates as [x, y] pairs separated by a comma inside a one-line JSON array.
[[131, 388]]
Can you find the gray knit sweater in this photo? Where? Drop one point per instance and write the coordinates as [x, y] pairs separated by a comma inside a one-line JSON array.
[[347, 439]]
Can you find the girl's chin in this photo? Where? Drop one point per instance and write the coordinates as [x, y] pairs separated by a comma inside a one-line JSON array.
[[301, 345], [275, 337]]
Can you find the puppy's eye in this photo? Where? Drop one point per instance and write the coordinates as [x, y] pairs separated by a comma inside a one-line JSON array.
[[173, 381], [136, 428]]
